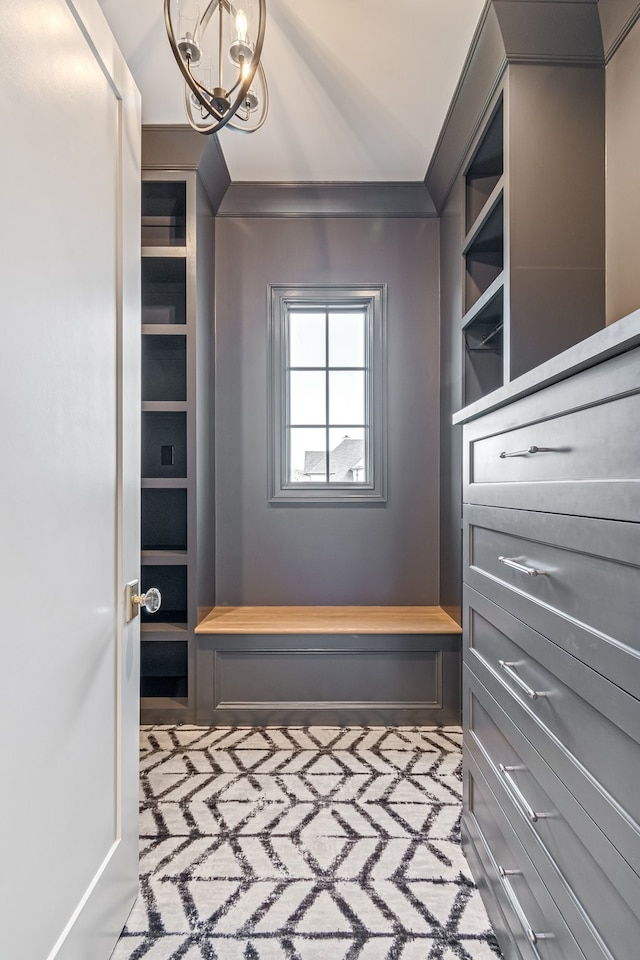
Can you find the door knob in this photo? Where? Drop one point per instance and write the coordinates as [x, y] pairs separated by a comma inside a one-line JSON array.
[[151, 600]]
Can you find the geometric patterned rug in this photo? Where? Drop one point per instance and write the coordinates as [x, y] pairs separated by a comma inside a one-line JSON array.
[[303, 843]]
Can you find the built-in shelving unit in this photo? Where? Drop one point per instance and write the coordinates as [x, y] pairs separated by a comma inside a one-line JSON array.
[[174, 322], [532, 254], [483, 254]]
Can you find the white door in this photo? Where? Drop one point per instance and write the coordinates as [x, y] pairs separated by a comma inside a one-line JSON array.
[[69, 510]]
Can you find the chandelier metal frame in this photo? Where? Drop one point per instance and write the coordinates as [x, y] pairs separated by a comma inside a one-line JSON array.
[[210, 110]]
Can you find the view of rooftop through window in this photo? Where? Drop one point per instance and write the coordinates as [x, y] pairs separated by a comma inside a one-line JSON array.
[[327, 429]]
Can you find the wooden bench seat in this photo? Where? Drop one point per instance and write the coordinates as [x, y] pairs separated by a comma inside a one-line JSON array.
[[326, 620]]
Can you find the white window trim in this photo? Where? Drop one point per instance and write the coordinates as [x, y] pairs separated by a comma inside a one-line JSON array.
[[282, 299]]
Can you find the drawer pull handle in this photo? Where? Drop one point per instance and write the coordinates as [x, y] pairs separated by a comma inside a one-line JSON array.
[[532, 936], [508, 666], [521, 567], [524, 453], [515, 789]]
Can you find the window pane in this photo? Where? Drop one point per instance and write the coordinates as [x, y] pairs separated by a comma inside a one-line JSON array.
[[307, 397], [346, 340], [346, 396], [347, 457], [307, 455], [307, 340]]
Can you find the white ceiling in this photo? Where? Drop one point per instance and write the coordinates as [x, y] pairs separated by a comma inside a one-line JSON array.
[[358, 89]]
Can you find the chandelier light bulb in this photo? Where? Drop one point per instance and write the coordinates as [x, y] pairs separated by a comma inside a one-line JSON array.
[[242, 26], [241, 49]]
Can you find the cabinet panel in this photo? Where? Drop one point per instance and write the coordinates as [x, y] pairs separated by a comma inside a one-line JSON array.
[[582, 870], [535, 923], [566, 449], [586, 727], [584, 595], [589, 444]]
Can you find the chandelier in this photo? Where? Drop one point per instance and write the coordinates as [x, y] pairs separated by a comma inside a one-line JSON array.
[[225, 83]]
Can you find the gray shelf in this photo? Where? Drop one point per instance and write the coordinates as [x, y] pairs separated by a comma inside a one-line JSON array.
[[485, 168], [164, 213], [164, 521], [164, 289], [484, 255], [164, 368], [484, 348], [164, 631]]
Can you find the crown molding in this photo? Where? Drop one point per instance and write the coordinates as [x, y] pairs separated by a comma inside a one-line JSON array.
[[327, 200]]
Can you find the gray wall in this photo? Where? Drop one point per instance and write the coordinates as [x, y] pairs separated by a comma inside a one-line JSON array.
[[623, 177], [291, 554]]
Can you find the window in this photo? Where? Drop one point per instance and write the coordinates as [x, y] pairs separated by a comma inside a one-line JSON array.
[[327, 394]]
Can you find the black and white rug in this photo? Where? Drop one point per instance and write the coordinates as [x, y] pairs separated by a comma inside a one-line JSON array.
[[303, 843]]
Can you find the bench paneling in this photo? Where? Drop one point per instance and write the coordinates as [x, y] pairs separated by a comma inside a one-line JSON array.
[[329, 678]]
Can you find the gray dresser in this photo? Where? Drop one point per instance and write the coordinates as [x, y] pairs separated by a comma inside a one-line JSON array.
[[551, 684]]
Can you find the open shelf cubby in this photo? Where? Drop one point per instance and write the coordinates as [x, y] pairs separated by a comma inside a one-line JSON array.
[[484, 349], [164, 668], [164, 444], [164, 290], [171, 581], [164, 213], [484, 256], [164, 519], [485, 169], [164, 367]]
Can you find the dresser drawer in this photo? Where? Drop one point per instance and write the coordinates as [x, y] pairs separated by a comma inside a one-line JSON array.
[[533, 919], [582, 870], [587, 728], [575, 580], [567, 449]]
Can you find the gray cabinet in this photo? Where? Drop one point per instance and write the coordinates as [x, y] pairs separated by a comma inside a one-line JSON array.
[[551, 821]]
